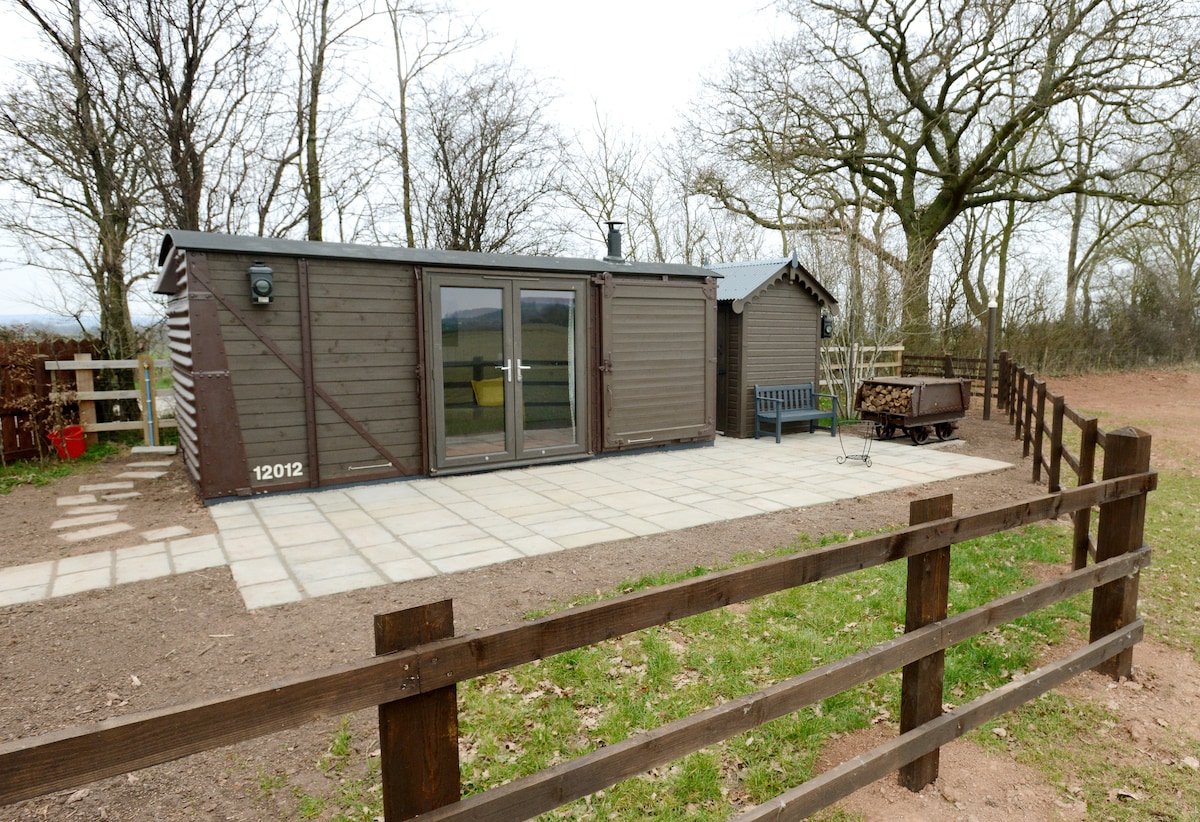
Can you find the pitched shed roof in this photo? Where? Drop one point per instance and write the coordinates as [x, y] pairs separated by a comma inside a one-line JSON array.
[[742, 282], [266, 246]]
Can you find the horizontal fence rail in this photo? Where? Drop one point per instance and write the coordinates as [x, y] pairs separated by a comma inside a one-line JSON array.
[[145, 393], [422, 676]]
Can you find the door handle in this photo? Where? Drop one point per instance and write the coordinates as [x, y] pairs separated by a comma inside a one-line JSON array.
[[521, 368], [507, 368]]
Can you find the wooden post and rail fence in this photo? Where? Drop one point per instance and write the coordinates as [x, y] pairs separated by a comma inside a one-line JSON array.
[[144, 391], [45, 385], [412, 679]]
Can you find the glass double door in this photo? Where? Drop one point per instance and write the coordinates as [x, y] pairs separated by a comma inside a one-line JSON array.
[[507, 372]]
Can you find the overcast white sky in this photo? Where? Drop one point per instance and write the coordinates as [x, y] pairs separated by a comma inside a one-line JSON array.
[[637, 62]]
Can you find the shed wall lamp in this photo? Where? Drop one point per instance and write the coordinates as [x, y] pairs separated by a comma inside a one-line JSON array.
[[262, 283]]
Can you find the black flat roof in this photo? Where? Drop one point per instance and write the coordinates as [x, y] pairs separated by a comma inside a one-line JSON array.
[[265, 246]]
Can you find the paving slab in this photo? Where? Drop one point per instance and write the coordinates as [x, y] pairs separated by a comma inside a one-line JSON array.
[[170, 532], [146, 475], [121, 496], [153, 449], [85, 519], [93, 533], [286, 548], [106, 486], [76, 499]]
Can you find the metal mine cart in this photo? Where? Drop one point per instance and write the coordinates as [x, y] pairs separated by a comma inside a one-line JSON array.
[[918, 406]]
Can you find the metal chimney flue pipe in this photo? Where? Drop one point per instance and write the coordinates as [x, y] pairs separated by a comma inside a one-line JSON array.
[[615, 255]]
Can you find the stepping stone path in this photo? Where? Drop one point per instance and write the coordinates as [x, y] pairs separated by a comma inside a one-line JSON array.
[[86, 518]]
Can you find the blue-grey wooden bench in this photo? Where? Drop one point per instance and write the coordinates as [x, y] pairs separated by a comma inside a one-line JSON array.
[[778, 404]]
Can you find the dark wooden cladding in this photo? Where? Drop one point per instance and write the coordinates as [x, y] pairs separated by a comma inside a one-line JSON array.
[[218, 442], [658, 352], [340, 372], [307, 396]]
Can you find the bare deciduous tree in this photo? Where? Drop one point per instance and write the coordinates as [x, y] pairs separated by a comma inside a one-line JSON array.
[[422, 36], [493, 160], [927, 105], [77, 168], [201, 70]]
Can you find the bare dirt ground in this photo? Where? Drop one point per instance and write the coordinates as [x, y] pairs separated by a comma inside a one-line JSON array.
[[100, 654]]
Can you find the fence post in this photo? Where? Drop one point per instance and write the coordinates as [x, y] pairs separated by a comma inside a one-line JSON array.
[[148, 399], [1014, 407], [1027, 433], [1122, 523], [85, 382], [418, 736], [1054, 482], [1002, 381], [1039, 428], [948, 366], [927, 600], [1088, 434]]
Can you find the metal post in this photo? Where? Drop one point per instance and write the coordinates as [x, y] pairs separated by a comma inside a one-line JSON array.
[[991, 357]]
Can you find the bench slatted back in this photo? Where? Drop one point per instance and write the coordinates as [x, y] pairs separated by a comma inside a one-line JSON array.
[[793, 396]]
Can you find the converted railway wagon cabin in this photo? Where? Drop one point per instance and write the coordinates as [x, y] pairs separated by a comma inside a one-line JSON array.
[[301, 365], [768, 333]]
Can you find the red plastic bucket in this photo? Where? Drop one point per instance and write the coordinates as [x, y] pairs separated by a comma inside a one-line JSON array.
[[70, 442]]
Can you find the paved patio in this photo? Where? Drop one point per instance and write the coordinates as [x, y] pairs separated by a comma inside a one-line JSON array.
[[289, 547]]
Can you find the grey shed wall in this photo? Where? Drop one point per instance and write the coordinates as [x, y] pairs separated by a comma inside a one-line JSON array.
[[776, 339]]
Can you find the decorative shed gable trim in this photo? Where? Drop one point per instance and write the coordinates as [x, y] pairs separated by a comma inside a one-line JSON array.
[[744, 282]]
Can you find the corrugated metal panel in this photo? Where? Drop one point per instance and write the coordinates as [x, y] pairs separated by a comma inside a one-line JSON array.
[[179, 336], [659, 362]]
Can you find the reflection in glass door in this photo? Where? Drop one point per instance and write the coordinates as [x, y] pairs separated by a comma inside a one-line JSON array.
[[546, 370], [475, 364], [508, 376]]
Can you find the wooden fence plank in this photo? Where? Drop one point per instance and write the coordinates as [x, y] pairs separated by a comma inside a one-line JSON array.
[[926, 601], [866, 768], [418, 737], [1054, 479], [1039, 428], [75, 756], [1086, 471], [543, 791], [1121, 529]]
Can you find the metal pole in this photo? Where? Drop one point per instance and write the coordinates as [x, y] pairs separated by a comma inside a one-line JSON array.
[[991, 358]]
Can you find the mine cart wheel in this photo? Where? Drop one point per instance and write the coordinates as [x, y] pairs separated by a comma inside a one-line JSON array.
[[945, 430], [884, 431], [919, 434]]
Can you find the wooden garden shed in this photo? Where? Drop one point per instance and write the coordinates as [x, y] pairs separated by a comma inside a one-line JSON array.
[[769, 322], [304, 365]]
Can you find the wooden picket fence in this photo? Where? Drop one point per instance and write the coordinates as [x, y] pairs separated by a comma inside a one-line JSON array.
[[412, 679]]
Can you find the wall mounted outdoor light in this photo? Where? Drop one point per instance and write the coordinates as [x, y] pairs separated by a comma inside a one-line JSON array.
[[262, 283]]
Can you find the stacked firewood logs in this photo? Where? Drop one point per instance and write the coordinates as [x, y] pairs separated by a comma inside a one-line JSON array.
[[886, 399]]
